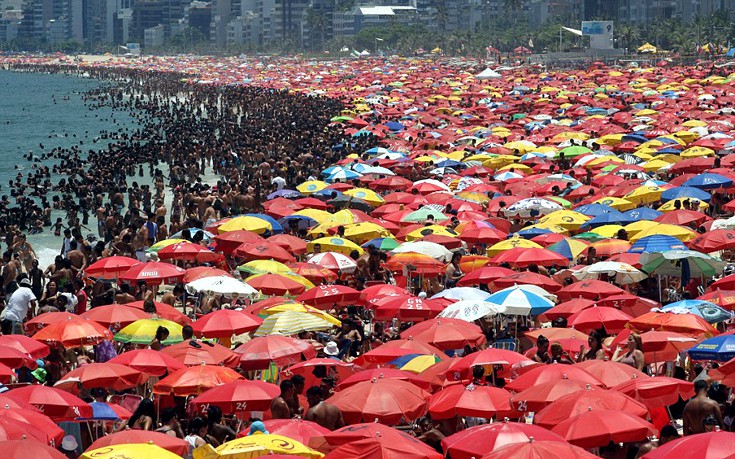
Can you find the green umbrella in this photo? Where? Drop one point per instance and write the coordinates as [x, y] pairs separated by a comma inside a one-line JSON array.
[[563, 202], [673, 262], [574, 151], [422, 214], [340, 119], [590, 236]]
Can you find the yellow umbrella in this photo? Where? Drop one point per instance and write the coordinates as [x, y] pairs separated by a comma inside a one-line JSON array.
[[265, 266], [694, 123], [303, 308], [143, 331], [256, 445], [671, 205], [548, 226], [247, 223], [165, 243], [636, 227], [694, 152], [523, 146], [322, 229], [420, 363], [428, 230], [475, 197], [130, 451], [319, 216], [363, 232], [511, 243], [644, 194], [344, 217], [654, 165], [369, 196], [679, 232], [291, 323], [568, 219], [608, 230], [335, 244], [616, 203], [311, 186]]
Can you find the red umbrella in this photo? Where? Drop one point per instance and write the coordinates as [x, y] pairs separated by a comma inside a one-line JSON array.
[[389, 401], [554, 333], [314, 273], [164, 311], [37, 323], [14, 358], [13, 429], [110, 267], [490, 356], [130, 436], [7, 375], [74, 333], [709, 445], [523, 256], [356, 432], [658, 346], [529, 278], [148, 361], [446, 333], [115, 316], [406, 307], [380, 448], [485, 275], [578, 402], [199, 272], [8, 402], [687, 324], [190, 252], [274, 284], [53, 432], [25, 345], [325, 296], [195, 380], [384, 373], [610, 373], [474, 401], [394, 349], [590, 289], [539, 449], [476, 441], [194, 352], [658, 391], [295, 429], [595, 428], [392, 183], [548, 373], [724, 298], [229, 241], [381, 290], [594, 318], [153, 273], [240, 395], [24, 449], [624, 300], [713, 241], [265, 250], [52, 402], [258, 353], [225, 323], [112, 375], [568, 308], [537, 397], [308, 368], [293, 244]]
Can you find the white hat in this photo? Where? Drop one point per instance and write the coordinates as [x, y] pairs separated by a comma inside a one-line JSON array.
[[25, 282], [69, 443], [331, 348]]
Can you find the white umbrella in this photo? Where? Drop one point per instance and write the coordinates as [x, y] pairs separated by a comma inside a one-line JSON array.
[[525, 207], [520, 302], [330, 260], [462, 293], [623, 272], [220, 285], [470, 310], [533, 289], [432, 249], [435, 183]]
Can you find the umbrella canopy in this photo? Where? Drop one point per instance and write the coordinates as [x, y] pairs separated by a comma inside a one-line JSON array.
[[23, 449], [54, 403], [519, 301], [446, 333], [594, 318], [682, 263], [384, 373], [594, 428], [74, 333], [325, 296], [688, 324], [153, 273], [474, 401], [133, 436], [523, 257], [236, 396], [709, 445], [225, 323], [258, 353], [259, 445], [115, 316], [658, 391], [108, 375], [53, 433], [130, 451], [194, 352], [356, 432], [538, 449], [609, 372], [25, 345], [291, 323], [110, 267], [381, 448], [220, 285], [369, 401], [195, 380], [484, 439], [295, 429], [274, 284], [548, 373], [144, 331], [719, 348], [148, 361], [704, 309]]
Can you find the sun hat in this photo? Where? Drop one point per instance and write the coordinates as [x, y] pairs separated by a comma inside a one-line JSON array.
[[331, 348], [69, 443]]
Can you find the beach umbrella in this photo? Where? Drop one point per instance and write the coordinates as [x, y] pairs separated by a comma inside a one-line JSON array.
[[129, 451], [164, 311], [334, 261], [379, 447], [335, 244], [265, 250], [258, 353], [719, 348], [144, 331], [291, 243], [484, 439], [474, 401], [656, 243], [275, 284], [106, 375], [511, 243], [708, 181], [114, 316], [550, 373], [708, 445], [74, 333], [237, 396], [484, 276], [406, 307], [356, 432], [714, 241], [594, 428], [569, 248], [295, 429], [533, 449], [291, 323], [682, 263], [623, 273], [325, 296], [53, 433], [14, 358], [490, 356], [397, 348], [15, 429], [520, 301], [388, 401], [688, 324], [722, 298], [313, 273], [190, 252], [195, 380], [220, 285], [679, 232], [704, 309], [225, 323], [385, 244], [446, 333], [311, 186], [54, 403], [250, 223], [25, 345], [658, 391], [148, 361], [108, 412], [229, 241], [435, 251], [471, 310], [609, 372], [594, 318], [522, 257], [590, 289], [527, 278], [153, 273], [386, 373], [110, 267], [169, 443], [194, 352], [48, 318], [302, 308]]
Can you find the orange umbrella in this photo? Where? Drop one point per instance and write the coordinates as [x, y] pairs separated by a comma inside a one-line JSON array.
[[546, 373], [195, 380], [293, 244], [658, 346], [555, 333], [416, 262], [164, 311], [609, 247], [74, 333], [314, 273], [275, 284], [258, 353], [193, 353], [40, 321], [687, 324], [446, 333]]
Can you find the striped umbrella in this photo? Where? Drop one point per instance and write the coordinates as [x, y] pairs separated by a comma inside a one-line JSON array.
[[291, 323]]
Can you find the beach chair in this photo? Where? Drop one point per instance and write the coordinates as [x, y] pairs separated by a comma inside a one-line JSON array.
[[507, 344]]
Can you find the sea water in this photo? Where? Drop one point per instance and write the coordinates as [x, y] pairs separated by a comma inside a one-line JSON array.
[[48, 109]]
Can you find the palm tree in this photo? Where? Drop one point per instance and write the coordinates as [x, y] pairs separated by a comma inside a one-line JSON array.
[[514, 8], [441, 17], [317, 22]]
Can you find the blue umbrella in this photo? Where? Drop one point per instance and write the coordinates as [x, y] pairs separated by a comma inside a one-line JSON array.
[[302, 222], [330, 170], [609, 218], [206, 235], [595, 209], [449, 163], [656, 243], [395, 126], [101, 411], [642, 213], [685, 192], [720, 348], [708, 181], [277, 228], [704, 309], [669, 151], [288, 194], [327, 193], [634, 138], [518, 300], [530, 233], [342, 175]]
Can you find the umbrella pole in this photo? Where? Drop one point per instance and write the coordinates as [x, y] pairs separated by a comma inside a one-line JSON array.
[[660, 294]]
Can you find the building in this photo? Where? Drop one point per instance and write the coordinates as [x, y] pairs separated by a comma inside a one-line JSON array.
[[199, 16], [154, 37], [541, 11]]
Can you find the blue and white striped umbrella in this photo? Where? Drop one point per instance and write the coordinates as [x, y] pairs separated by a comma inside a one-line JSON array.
[[342, 175], [519, 301]]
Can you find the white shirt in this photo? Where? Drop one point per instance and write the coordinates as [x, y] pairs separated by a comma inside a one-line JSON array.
[[20, 300], [279, 181]]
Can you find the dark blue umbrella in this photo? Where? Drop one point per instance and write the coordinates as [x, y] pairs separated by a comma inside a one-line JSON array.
[[656, 243], [101, 411], [288, 194], [720, 348], [530, 233], [708, 181], [326, 193], [642, 213], [302, 222], [277, 228], [640, 138], [609, 218], [449, 163], [595, 209], [682, 192], [394, 126]]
